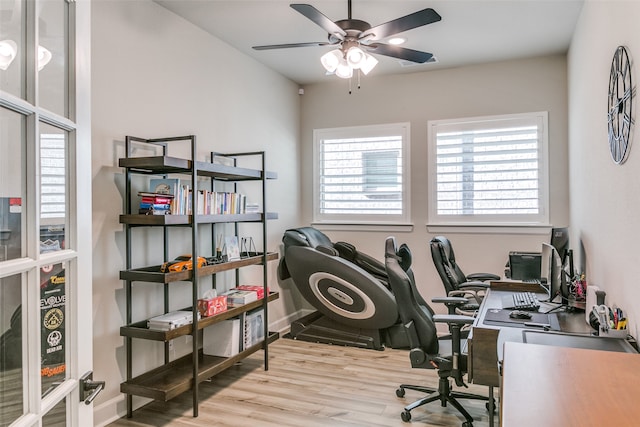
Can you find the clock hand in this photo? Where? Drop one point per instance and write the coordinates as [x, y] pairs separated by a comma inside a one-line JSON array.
[[625, 96]]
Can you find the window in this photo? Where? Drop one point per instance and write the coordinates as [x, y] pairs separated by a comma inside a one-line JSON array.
[[53, 170], [489, 170], [361, 174]]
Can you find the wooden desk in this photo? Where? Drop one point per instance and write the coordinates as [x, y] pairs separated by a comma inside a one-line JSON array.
[[485, 342], [562, 387]]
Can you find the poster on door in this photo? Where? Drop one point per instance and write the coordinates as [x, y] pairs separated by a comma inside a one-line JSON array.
[[52, 316]]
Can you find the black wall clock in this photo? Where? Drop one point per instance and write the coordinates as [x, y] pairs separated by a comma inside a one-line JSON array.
[[620, 106]]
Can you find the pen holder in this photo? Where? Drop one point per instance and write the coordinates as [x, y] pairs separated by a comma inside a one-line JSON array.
[[612, 333]]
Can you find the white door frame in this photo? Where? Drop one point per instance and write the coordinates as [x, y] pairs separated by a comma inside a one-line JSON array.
[[78, 257]]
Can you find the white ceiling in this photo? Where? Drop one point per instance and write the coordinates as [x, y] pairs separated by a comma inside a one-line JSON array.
[[471, 31]]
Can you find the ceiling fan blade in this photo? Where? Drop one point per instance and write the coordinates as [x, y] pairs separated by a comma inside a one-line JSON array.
[[316, 16], [288, 45], [405, 23], [399, 52]]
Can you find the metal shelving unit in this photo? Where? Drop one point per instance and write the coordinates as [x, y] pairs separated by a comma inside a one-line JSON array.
[[183, 374]]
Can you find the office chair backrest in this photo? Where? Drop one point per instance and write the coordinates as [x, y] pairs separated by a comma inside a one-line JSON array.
[[416, 317], [444, 260]]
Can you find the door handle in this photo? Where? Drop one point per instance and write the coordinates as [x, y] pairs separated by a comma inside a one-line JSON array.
[[90, 387]]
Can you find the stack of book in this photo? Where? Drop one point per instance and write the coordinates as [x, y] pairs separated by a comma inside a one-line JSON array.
[[155, 203]]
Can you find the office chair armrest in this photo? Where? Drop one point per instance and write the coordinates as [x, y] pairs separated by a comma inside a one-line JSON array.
[[482, 277], [453, 319], [456, 300], [450, 300], [474, 285]]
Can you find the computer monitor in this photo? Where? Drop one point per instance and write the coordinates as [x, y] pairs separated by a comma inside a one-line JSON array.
[[524, 266], [551, 274], [560, 241]]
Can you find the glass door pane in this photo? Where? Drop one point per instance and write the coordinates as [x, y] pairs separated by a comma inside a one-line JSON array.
[[12, 47], [12, 178], [11, 345], [53, 188], [53, 56]]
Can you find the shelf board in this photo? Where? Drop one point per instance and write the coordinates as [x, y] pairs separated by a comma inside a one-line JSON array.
[[168, 381], [140, 330], [184, 220], [168, 164], [153, 274]]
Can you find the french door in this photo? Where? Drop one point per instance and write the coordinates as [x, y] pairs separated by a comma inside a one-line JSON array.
[[45, 213]]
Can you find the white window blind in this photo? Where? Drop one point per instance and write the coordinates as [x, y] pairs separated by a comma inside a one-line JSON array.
[[489, 170], [53, 176], [361, 174]]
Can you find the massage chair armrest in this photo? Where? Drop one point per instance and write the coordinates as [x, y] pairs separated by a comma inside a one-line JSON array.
[[482, 277]]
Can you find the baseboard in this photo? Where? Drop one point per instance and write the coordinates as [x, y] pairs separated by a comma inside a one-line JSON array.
[[111, 410]]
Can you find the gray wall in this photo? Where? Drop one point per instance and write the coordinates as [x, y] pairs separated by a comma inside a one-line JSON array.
[[536, 84], [156, 75], [605, 197]]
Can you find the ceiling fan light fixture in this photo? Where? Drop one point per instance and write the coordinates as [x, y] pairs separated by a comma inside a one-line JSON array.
[[369, 64], [356, 57], [331, 60], [8, 51], [344, 70]]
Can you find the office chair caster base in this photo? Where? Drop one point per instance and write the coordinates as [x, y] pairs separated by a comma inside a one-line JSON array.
[[405, 416], [400, 392]]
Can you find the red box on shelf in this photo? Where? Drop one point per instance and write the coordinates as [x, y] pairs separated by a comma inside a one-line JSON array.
[[257, 289], [209, 307]]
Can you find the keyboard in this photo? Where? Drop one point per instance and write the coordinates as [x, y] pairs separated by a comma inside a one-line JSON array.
[[521, 301]]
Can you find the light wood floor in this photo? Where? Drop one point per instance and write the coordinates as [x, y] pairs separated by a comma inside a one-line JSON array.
[[310, 384]]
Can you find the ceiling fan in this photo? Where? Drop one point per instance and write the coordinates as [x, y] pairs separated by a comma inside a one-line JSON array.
[[353, 38]]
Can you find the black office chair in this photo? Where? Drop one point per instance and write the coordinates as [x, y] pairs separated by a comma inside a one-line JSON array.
[[456, 283], [428, 351]]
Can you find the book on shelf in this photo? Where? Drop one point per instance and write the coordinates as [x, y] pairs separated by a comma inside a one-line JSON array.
[[253, 331], [236, 298], [156, 206], [155, 203]]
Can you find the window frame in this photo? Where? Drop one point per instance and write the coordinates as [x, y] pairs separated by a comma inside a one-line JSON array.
[[541, 219], [319, 135]]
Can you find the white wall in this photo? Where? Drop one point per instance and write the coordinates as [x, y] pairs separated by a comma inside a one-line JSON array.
[[605, 197], [156, 75], [537, 84]]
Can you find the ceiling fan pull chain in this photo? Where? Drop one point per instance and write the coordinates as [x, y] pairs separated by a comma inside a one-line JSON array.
[[358, 79], [350, 78]]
